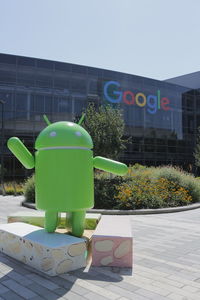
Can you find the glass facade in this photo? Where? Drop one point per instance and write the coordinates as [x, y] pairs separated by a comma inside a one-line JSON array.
[[161, 118]]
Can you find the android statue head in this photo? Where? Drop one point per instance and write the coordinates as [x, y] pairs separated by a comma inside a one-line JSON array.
[[64, 134]]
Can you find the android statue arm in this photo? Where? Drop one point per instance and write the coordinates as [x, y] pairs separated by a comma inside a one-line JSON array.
[[21, 152], [110, 165]]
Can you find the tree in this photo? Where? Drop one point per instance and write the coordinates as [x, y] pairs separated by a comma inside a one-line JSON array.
[[197, 149], [106, 127]]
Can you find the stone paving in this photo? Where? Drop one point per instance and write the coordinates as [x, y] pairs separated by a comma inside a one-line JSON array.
[[166, 265]]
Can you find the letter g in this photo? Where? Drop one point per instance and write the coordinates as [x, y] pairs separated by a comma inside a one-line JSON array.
[[109, 98]]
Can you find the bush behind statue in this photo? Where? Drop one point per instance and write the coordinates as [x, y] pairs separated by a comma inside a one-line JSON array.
[[143, 187], [29, 189]]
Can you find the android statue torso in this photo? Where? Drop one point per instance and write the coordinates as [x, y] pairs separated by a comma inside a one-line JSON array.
[[64, 179], [64, 168]]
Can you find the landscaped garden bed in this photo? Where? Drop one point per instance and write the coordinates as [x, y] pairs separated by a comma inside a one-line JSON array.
[[142, 188]]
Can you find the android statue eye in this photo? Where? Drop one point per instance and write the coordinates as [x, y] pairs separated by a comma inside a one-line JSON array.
[[78, 133], [52, 134]]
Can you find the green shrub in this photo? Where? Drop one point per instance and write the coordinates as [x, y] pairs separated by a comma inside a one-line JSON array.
[[170, 173], [105, 190], [181, 178], [137, 167], [29, 189]]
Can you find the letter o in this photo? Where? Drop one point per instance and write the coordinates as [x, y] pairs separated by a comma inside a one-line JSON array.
[[125, 100], [141, 104]]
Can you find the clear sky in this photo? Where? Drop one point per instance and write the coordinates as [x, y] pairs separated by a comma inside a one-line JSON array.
[[153, 38]]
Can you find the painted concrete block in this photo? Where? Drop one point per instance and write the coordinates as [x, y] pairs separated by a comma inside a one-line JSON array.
[[112, 242], [51, 253], [36, 217]]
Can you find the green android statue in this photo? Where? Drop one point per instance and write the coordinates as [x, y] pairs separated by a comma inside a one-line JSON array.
[[64, 165]]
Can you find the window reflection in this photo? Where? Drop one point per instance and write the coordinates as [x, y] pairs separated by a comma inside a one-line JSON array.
[[62, 104], [79, 105], [21, 102]]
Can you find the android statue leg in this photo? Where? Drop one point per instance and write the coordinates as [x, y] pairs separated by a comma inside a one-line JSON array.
[[77, 222], [51, 221]]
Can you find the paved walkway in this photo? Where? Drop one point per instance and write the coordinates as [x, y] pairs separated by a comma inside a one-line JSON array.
[[166, 265]]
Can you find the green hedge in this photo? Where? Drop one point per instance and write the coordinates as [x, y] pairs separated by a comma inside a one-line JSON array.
[[142, 187]]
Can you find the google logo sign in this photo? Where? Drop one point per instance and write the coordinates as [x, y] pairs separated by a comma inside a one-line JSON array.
[[113, 94]]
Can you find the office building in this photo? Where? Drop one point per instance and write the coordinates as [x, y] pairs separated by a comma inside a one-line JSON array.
[[161, 117]]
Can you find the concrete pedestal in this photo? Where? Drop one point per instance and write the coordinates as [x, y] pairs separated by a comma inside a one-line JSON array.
[[51, 253], [112, 242]]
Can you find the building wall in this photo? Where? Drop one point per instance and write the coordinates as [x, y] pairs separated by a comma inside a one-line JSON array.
[[191, 80], [161, 118]]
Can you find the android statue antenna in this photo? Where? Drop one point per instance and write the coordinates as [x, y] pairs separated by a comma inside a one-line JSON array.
[[46, 120], [81, 119]]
